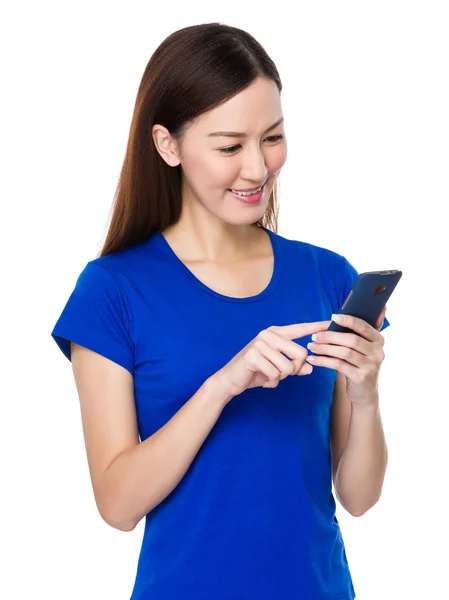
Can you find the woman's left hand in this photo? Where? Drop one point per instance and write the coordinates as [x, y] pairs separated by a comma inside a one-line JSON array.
[[358, 357]]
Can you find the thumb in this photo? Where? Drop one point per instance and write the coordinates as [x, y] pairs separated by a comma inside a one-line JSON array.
[[381, 318]]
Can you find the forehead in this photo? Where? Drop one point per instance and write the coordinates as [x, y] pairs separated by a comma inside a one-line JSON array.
[[251, 111]]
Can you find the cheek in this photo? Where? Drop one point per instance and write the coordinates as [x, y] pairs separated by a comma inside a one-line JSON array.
[[217, 171], [276, 158], [210, 171], [220, 172]]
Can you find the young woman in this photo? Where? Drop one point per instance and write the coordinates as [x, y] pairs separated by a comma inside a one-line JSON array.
[[200, 411]]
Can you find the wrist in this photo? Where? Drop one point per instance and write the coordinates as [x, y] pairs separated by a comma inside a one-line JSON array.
[[371, 408], [218, 389], [369, 404]]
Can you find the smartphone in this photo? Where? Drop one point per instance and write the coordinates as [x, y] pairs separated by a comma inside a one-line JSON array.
[[369, 294]]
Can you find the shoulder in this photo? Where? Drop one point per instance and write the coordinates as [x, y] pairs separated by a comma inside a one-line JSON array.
[[120, 266], [308, 251], [320, 266]]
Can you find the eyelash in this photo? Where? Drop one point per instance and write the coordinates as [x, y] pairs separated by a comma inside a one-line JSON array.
[[232, 149]]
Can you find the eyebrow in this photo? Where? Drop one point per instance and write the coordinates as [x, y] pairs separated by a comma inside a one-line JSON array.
[[243, 135]]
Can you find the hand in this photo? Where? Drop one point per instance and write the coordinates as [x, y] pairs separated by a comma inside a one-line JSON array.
[[358, 357], [262, 361]]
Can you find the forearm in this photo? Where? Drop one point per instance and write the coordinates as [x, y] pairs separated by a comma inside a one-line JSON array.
[[362, 466], [143, 476]]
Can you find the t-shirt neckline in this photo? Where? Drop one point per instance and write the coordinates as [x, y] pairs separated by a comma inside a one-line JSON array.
[[272, 285]]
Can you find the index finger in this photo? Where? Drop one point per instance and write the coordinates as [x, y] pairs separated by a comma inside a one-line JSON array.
[[298, 330]]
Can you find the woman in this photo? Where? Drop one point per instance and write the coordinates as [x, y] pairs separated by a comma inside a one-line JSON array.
[[189, 312]]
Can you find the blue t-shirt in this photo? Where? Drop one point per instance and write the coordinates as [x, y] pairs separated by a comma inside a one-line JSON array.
[[253, 518]]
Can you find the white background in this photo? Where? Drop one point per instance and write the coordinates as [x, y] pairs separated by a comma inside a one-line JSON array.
[[365, 101]]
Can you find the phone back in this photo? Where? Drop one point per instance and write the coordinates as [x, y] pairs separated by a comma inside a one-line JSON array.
[[370, 293]]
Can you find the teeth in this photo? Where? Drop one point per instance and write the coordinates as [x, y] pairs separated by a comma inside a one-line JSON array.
[[247, 193]]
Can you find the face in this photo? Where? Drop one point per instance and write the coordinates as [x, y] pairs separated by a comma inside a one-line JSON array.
[[214, 164]]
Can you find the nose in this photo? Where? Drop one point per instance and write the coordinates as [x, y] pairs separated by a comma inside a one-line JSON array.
[[254, 168]]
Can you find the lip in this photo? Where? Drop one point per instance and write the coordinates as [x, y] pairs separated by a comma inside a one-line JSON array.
[[255, 199]]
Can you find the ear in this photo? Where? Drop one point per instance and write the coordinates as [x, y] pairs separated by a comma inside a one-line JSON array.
[[166, 145]]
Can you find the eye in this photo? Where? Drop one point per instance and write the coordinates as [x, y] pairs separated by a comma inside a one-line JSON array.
[[232, 149]]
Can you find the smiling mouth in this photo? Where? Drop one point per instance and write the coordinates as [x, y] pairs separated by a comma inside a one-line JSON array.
[[247, 192]]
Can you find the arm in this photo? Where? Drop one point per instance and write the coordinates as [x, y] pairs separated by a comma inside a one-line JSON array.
[[359, 452], [130, 478]]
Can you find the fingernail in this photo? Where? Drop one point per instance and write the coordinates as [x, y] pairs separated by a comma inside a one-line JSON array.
[[337, 318]]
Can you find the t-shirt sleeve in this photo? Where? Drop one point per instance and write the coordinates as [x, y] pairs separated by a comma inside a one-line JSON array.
[[350, 274], [96, 316]]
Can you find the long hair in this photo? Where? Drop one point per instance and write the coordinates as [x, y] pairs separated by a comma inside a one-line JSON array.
[[194, 70]]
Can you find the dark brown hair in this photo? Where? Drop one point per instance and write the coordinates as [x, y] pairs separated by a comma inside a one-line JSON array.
[[193, 71]]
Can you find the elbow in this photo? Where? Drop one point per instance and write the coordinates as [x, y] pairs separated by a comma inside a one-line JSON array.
[[353, 510], [116, 522], [357, 507], [360, 511], [357, 513], [123, 526], [113, 516], [110, 510]]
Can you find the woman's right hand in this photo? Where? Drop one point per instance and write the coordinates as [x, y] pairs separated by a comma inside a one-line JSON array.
[[262, 361]]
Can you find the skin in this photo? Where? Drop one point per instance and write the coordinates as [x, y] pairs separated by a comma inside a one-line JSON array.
[[214, 226], [358, 447], [358, 357], [130, 477]]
